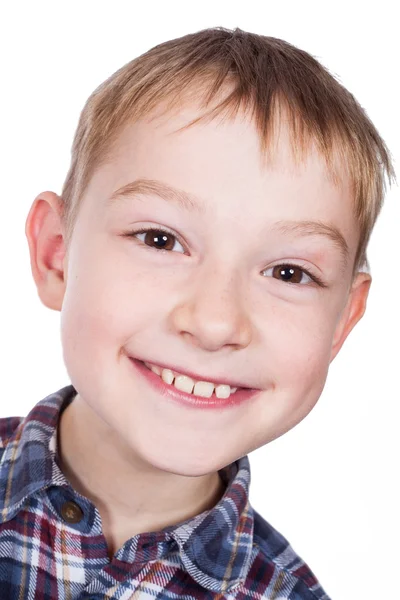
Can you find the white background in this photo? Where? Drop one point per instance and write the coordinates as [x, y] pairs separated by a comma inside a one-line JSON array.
[[329, 485]]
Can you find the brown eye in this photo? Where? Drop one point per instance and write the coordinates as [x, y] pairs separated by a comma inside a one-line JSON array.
[[291, 274], [158, 239]]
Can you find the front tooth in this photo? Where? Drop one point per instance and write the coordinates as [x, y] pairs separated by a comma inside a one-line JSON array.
[[223, 391], [167, 376], [183, 383], [233, 390], [204, 389]]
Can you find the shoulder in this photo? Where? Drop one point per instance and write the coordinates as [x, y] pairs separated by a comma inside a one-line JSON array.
[[40, 422], [272, 547], [8, 425]]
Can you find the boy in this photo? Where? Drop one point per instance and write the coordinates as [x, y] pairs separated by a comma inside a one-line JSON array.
[[207, 255]]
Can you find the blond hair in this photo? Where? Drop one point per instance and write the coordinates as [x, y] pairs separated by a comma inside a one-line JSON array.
[[265, 74]]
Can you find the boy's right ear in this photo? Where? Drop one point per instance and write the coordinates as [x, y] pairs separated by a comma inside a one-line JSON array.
[[43, 229]]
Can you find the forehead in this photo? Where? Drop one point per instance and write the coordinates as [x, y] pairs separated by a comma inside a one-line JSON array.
[[220, 164], [221, 152]]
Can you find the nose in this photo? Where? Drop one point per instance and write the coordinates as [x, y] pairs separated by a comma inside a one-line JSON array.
[[211, 310]]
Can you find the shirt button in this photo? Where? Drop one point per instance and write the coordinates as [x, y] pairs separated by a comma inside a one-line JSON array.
[[71, 512]]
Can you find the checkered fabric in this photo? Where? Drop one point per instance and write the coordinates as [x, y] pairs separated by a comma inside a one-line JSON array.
[[227, 552]]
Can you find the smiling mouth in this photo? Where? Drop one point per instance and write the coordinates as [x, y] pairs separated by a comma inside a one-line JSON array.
[[204, 389], [211, 397]]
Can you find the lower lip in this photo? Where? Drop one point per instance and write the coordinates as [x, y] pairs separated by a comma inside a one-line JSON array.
[[171, 392]]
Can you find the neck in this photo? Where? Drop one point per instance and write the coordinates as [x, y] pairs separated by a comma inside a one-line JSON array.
[[141, 498]]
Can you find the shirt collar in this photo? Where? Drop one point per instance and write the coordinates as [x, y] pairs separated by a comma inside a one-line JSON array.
[[215, 546]]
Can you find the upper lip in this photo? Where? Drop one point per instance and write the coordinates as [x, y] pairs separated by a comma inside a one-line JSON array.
[[196, 376]]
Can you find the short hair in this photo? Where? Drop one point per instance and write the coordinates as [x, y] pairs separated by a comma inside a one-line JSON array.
[[265, 74]]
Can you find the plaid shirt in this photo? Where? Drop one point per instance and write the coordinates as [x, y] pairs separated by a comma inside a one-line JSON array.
[[52, 546]]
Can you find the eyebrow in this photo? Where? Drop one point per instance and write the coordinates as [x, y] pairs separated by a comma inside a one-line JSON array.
[[162, 190], [313, 228], [192, 203]]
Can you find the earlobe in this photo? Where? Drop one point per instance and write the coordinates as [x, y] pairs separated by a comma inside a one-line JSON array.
[[43, 230], [353, 312]]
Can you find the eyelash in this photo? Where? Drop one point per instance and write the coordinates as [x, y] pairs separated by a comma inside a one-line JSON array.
[[303, 268]]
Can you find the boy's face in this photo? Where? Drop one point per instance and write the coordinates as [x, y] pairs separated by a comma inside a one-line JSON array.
[[215, 303]]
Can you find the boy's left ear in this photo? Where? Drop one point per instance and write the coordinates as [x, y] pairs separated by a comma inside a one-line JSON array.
[[353, 311]]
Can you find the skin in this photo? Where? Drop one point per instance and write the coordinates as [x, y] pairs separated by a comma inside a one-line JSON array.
[[213, 306]]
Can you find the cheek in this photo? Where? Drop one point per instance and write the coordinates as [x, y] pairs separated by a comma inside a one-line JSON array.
[[302, 347], [298, 364], [106, 302]]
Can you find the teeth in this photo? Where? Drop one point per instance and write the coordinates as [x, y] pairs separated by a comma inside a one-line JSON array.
[[167, 376], [204, 389], [186, 384], [183, 383], [154, 368], [223, 391]]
